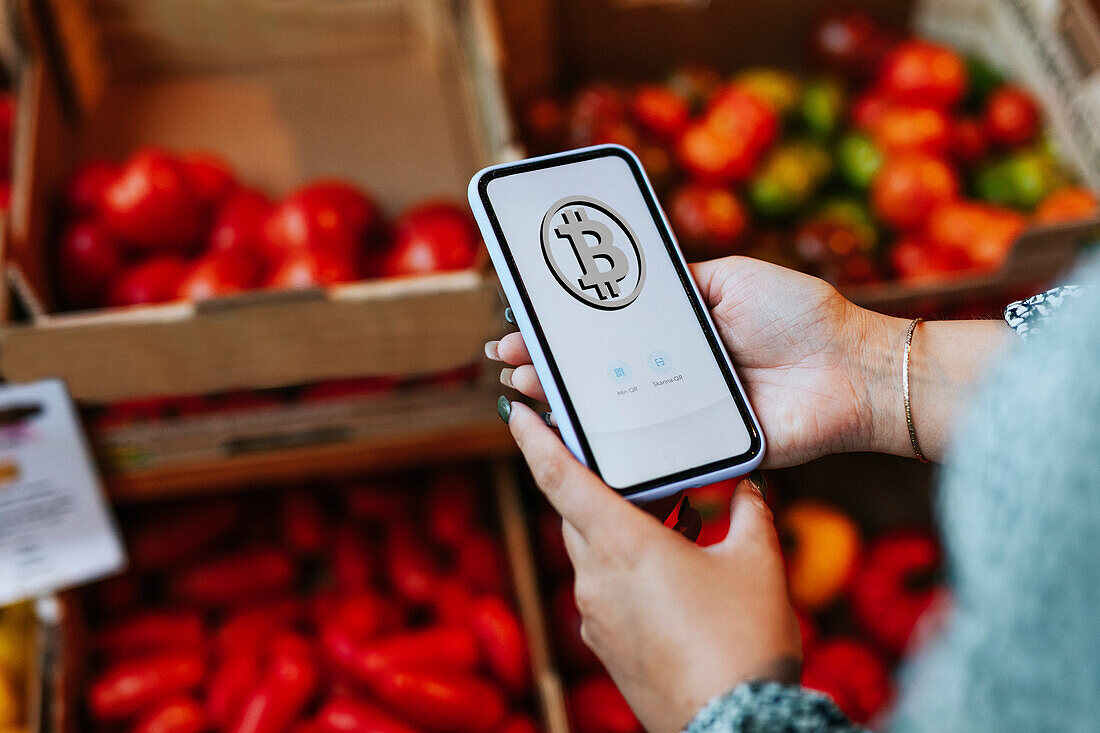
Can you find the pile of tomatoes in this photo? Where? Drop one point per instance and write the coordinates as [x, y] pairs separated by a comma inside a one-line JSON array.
[[162, 227], [380, 605], [895, 158]]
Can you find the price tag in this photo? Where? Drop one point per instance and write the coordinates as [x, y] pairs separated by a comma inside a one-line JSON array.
[[56, 530]]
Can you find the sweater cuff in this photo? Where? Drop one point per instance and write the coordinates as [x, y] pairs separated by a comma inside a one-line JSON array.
[[756, 707]]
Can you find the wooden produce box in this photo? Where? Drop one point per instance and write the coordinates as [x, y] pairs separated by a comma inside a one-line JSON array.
[[67, 649], [555, 46], [401, 97]]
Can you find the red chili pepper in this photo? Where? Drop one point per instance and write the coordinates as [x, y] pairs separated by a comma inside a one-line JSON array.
[[127, 687], [363, 614], [182, 534], [351, 560], [285, 688], [452, 602], [452, 506], [249, 627], [445, 701], [519, 723], [303, 522], [503, 642], [433, 648], [233, 680], [175, 715], [481, 563], [152, 631], [230, 579], [410, 569], [344, 713]]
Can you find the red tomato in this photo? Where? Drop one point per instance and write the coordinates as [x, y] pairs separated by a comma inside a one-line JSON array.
[[211, 177], [309, 269], [1071, 203], [985, 233], [446, 701], [709, 217], [915, 258], [126, 688], [1011, 116], [503, 642], [849, 43], [909, 186], [151, 203], [238, 226], [88, 259], [595, 107], [868, 109], [151, 631], [897, 582], [234, 577], [326, 218], [660, 111], [922, 73], [84, 193], [597, 706], [432, 237], [154, 281], [217, 274], [968, 141], [850, 673], [175, 715], [903, 128], [347, 714], [737, 113]]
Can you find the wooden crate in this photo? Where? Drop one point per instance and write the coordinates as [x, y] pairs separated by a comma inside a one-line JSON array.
[[399, 96], [571, 45], [63, 648]]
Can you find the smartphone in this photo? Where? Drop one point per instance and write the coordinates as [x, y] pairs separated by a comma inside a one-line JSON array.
[[640, 384]]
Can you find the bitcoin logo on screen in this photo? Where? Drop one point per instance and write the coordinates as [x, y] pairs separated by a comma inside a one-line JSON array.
[[593, 252]]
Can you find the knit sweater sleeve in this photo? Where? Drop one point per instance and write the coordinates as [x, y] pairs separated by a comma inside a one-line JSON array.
[[771, 707]]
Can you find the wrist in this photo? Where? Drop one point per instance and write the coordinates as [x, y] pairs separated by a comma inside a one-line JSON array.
[[876, 344]]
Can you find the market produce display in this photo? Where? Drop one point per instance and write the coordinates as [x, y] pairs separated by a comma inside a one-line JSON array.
[[163, 226], [862, 605], [368, 606], [893, 158]]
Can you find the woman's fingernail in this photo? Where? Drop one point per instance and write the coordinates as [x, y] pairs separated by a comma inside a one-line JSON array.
[[548, 418], [491, 350], [504, 408], [759, 482], [509, 316], [506, 378]]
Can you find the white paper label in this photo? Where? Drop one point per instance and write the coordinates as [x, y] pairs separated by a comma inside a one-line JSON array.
[[56, 530]]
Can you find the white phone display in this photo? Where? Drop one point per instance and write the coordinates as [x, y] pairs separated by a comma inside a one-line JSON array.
[[639, 382]]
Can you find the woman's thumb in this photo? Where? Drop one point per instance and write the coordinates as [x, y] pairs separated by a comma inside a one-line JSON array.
[[749, 513]]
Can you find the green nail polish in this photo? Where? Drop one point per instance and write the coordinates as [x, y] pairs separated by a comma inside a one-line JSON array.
[[504, 408], [761, 483]]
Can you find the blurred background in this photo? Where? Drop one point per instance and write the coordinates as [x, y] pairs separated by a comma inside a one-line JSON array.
[[237, 229]]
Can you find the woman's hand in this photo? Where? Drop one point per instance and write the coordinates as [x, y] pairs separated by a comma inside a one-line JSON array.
[[675, 624], [797, 345]]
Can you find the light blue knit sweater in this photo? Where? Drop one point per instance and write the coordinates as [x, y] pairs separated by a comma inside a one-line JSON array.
[[1019, 509]]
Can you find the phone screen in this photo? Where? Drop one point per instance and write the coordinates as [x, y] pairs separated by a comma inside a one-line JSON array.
[[643, 377]]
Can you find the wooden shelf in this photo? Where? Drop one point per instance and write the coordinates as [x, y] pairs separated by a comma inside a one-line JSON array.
[[296, 443]]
